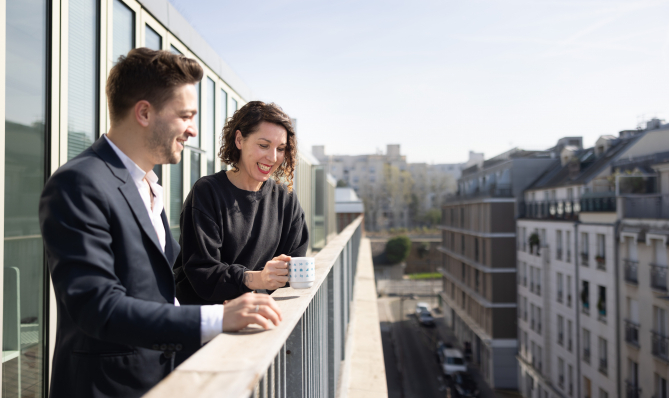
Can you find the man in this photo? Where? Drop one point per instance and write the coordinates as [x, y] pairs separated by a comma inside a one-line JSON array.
[[109, 247]]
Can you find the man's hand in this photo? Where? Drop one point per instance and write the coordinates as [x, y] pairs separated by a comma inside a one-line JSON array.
[[273, 276], [241, 312]]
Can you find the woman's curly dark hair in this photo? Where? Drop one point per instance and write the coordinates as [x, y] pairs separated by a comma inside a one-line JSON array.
[[246, 120]]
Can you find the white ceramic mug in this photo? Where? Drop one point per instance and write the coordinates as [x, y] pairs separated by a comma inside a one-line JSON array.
[[302, 272]]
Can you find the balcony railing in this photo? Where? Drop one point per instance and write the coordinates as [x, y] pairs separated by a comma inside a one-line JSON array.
[[632, 390], [559, 296], [584, 259], [555, 210], [586, 355], [646, 206], [658, 276], [631, 271], [306, 355], [603, 365], [601, 262], [569, 345], [569, 300], [603, 202], [660, 345], [632, 332]]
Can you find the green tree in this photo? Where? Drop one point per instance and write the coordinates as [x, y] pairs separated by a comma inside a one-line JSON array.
[[398, 248]]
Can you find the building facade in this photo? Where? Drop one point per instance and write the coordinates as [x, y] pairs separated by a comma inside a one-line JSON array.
[[396, 194], [479, 259], [569, 229]]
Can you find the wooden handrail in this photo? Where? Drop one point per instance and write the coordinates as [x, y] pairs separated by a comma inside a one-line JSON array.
[[232, 364]]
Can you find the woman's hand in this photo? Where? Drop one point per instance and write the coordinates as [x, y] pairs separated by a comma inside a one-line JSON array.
[[249, 308], [273, 276]]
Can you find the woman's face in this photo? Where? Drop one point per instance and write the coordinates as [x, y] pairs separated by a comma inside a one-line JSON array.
[[261, 152]]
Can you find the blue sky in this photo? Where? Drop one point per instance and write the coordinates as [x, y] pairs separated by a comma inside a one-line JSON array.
[[445, 77]]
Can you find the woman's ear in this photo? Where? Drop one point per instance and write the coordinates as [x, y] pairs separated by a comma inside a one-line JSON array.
[[238, 139]]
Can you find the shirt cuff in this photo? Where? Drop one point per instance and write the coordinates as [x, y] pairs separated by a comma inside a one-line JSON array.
[[211, 322]]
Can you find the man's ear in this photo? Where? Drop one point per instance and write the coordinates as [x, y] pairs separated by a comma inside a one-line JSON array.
[[238, 139], [143, 113]]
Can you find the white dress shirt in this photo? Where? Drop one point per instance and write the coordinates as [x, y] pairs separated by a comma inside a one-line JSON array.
[[211, 316]]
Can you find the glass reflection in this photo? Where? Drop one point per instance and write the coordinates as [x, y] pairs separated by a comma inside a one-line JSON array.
[[23, 318], [153, 39], [194, 167], [176, 200], [82, 67], [124, 30], [209, 132]]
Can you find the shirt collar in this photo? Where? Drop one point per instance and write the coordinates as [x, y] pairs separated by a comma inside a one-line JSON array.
[[135, 171]]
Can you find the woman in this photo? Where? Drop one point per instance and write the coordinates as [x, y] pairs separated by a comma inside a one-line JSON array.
[[240, 227]]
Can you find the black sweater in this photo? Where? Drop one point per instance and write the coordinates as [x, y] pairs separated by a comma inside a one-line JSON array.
[[226, 231]]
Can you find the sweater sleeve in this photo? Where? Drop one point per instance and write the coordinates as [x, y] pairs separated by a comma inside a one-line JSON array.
[[211, 278]]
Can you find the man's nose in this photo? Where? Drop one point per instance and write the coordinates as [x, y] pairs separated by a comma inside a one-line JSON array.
[[192, 129]]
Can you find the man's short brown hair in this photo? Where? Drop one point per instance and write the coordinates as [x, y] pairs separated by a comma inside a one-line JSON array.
[[148, 75], [247, 120]]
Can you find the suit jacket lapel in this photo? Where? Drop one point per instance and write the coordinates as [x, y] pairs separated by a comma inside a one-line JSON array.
[[128, 190]]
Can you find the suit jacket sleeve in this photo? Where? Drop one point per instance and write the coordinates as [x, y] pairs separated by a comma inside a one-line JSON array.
[[74, 217]]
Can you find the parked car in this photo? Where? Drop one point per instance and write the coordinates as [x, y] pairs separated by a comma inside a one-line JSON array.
[[451, 360], [422, 307], [462, 385], [425, 318]]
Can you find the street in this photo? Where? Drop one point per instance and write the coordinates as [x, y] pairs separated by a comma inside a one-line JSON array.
[[409, 351]]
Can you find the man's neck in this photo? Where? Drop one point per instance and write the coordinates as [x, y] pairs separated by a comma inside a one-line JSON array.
[[132, 146]]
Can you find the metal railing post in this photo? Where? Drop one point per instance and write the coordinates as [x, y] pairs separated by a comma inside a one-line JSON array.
[[334, 337], [294, 362]]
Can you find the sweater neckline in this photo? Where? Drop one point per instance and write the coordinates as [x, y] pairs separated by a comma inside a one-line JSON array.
[[264, 188]]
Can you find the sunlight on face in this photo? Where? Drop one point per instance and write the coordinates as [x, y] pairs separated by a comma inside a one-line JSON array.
[[262, 153]]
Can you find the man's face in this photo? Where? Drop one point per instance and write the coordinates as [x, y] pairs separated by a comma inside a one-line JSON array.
[[173, 125]]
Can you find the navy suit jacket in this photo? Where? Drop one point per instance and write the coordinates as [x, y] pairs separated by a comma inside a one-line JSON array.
[[118, 328]]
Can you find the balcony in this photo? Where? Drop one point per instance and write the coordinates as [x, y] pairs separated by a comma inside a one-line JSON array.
[[601, 262], [585, 308], [646, 206], [549, 210], [658, 277], [537, 289], [559, 296], [584, 259], [632, 390], [586, 355], [660, 345], [558, 253], [631, 271], [632, 332], [329, 332], [598, 202]]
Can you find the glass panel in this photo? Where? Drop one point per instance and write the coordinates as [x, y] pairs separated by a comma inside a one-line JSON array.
[[82, 70], [23, 348], [176, 193], [194, 167], [224, 114], [195, 141], [158, 169], [124, 30], [175, 51], [234, 105], [152, 39], [209, 131]]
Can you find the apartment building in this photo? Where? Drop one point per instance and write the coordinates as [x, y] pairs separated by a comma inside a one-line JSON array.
[[644, 309], [479, 266], [568, 244], [395, 193]]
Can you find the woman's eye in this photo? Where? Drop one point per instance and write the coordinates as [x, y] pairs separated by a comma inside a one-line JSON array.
[[282, 149], [264, 146]]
